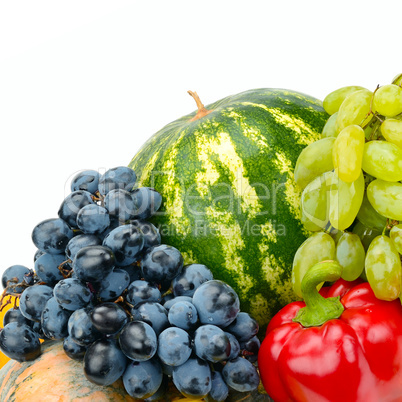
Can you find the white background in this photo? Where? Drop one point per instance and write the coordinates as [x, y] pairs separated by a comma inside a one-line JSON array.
[[84, 83]]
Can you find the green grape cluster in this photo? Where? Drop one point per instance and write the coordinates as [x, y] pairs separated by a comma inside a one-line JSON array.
[[351, 182]]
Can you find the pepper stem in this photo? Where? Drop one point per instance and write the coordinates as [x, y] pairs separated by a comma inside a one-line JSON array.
[[202, 111], [319, 309]]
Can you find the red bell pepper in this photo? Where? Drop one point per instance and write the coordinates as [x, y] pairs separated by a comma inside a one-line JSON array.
[[340, 344]]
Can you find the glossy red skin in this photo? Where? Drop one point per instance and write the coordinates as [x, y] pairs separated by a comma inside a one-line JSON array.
[[356, 358]]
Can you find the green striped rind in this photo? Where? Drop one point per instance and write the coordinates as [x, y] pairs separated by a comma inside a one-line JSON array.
[[229, 196]]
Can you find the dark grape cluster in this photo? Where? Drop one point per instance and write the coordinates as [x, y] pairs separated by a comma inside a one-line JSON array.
[[125, 304]]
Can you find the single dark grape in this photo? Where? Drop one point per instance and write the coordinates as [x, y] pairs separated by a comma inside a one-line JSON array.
[[193, 378], [47, 268], [153, 314], [244, 327], [52, 236], [93, 219], [33, 301], [147, 201], [54, 320], [93, 263], [126, 242], [120, 204], [81, 329], [211, 343], [87, 180], [161, 263], [174, 346], [184, 315], [108, 318], [104, 362], [72, 294], [217, 303], [19, 342], [13, 276], [140, 291], [241, 375], [120, 177], [191, 277], [72, 204], [114, 284], [80, 241], [142, 379], [219, 389], [73, 350], [138, 341]]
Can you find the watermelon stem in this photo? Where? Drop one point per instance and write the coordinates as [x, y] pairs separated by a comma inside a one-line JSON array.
[[202, 111], [318, 309]]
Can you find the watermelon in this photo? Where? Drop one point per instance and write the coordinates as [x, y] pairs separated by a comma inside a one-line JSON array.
[[230, 201]]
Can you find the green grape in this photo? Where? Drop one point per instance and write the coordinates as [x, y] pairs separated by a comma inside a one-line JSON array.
[[319, 247], [387, 100], [345, 200], [351, 255], [370, 217], [329, 129], [382, 160], [396, 236], [347, 153], [383, 268], [386, 198], [333, 100], [314, 160], [391, 129], [314, 204], [355, 109], [365, 234]]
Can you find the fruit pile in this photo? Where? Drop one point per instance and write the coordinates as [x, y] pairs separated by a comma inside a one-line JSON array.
[[352, 190], [123, 303]]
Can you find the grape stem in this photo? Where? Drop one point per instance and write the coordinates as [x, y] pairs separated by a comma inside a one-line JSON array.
[[318, 309]]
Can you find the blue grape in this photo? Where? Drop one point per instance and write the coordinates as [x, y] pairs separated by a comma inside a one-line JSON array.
[[108, 318], [250, 349], [54, 320], [14, 315], [241, 375], [170, 302], [113, 285], [190, 279], [174, 346], [244, 327], [81, 329], [52, 235], [73, 350], [93, 219], [87, 180], [234, 346], [138, 341], [211, 343], [219, 389], [80, 241], [33, 301], [72, 204], [184, 315], [19, 342], [120, 177], [160, 394], [142, 379], [153, 314], [126, 242], [37, 254], [47, 268], [140, 291], [120, 204], [217, 303], [13, 276], [147, 200], [193, 378], [150, 232], [104, 362], [161, 263], [72, 294], [93, 263]]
